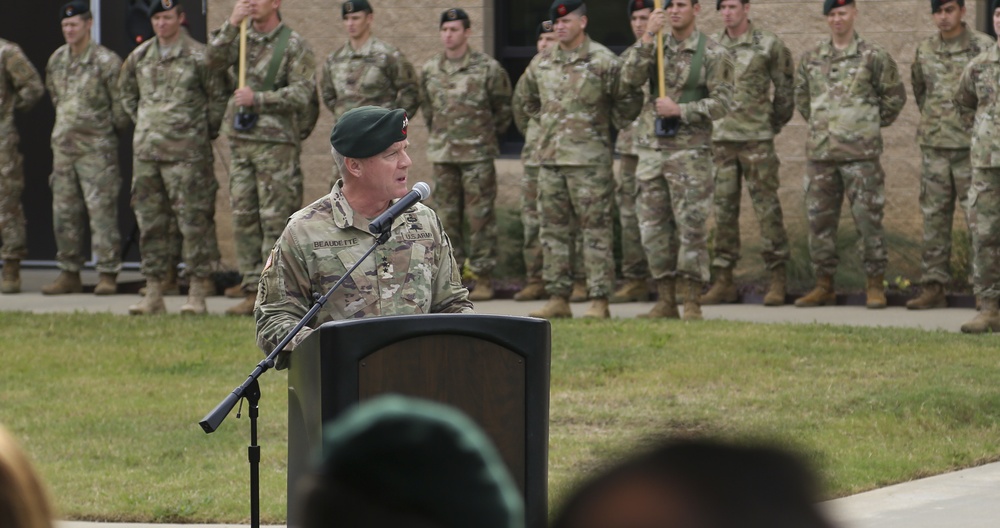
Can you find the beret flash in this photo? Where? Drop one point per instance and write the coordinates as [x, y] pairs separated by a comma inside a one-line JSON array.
[[561, 8], [830, 5], [368, 130], [76, 7], [454, 14], [635, 5], [353, 6], [159, 6]]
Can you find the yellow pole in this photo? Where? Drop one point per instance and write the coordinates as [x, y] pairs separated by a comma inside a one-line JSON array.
[[243, 53], [662, 84]]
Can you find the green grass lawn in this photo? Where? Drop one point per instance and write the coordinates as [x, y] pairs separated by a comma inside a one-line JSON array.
[[108, 406]]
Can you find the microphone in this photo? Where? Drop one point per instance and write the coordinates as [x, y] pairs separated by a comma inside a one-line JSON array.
[[384, 221]]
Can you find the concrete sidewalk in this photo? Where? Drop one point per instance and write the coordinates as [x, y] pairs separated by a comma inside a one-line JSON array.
[[963, 499]]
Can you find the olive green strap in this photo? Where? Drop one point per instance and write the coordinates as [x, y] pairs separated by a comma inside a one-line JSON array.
[[279, 51], [692, 92]]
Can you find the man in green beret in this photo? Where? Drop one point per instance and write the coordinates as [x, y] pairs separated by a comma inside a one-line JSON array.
[[978, 105], [177, 103], [944, 141], [575, 114], [847, 88], [465, 97], [20, 89], [366, 70], [413, 272], [265, 178]]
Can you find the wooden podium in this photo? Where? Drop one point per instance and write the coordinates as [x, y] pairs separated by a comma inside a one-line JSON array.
[[493, 368]]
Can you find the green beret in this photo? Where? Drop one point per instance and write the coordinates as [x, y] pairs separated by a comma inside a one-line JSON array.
[[76, 7], [830, 5], [353, 6], [561, 8], [936, 4], [454, 14], [159, 6], [543, 27], [636, 5], [422, 457], [368, 130]]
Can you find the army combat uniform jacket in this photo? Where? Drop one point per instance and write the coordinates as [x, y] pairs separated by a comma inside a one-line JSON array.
[[937, 67], [760, 60], [414, 272], [175, 100], [378, 74], [466, 105], [978, 101], [847, 97], [20, 88]]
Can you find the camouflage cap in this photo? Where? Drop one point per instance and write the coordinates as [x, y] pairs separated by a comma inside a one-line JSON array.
[[353, 6], [561, 8], [544, 27], [423, 457], [368, 130], [636, 5], [159, 6], [830, 5], [76, 7], [936, 4], [454, 14]]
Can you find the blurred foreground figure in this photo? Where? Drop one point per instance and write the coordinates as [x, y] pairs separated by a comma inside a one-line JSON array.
[[23, 500]]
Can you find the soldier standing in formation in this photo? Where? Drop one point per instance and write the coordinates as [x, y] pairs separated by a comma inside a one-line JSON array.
[[675, 169], [366, 70], [743, 147], [465, 97], [978, 102], [575, 113], [177, 104], [82, 81], [944, 141], [634, 268], [847, 89], [20, 88], [265, 185]]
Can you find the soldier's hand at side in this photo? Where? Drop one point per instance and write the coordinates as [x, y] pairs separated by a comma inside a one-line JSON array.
[[243, 97], [657, 21], [666, 107], [240, 11]]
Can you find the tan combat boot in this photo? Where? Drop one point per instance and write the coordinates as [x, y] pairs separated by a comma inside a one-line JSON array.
[[234, 292], [635, 290], [556, 308], [598, 309], [988, 319], [723, 290], [245, 307], [199, 289], [932, 296], [534, 290], [692, 304], [821, 295], [875, 291], [107, 284], [666, 305], [483, 290], [775, 295], [66, 282], [579, 293], [11, 282], [169, 284], [152, 301]]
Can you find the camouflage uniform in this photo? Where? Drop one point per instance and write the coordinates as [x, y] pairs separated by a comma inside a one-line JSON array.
[[414, 272], [743, 145], [846, 97], [532, 247], [265, 180], [576, 99], [177, 104], [944, 143], [466, 105], [378, 74], [634, 266], [675, 173], [20, 88], [85, 180], [977, 100]]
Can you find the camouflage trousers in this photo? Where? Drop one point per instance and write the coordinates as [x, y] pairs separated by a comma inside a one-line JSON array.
[[86, 186], [530, 221], [12, 221], [265, 188], [633, 257], [756, 163], [984, 212], [467, 192], [826, 184], [177, 195], [946, 177], [576, 199], [674, 202]]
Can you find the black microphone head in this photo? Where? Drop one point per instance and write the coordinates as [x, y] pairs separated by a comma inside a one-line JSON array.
[[422, 189]]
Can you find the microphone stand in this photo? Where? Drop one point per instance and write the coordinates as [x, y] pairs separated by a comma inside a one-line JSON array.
[[250, 389]]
